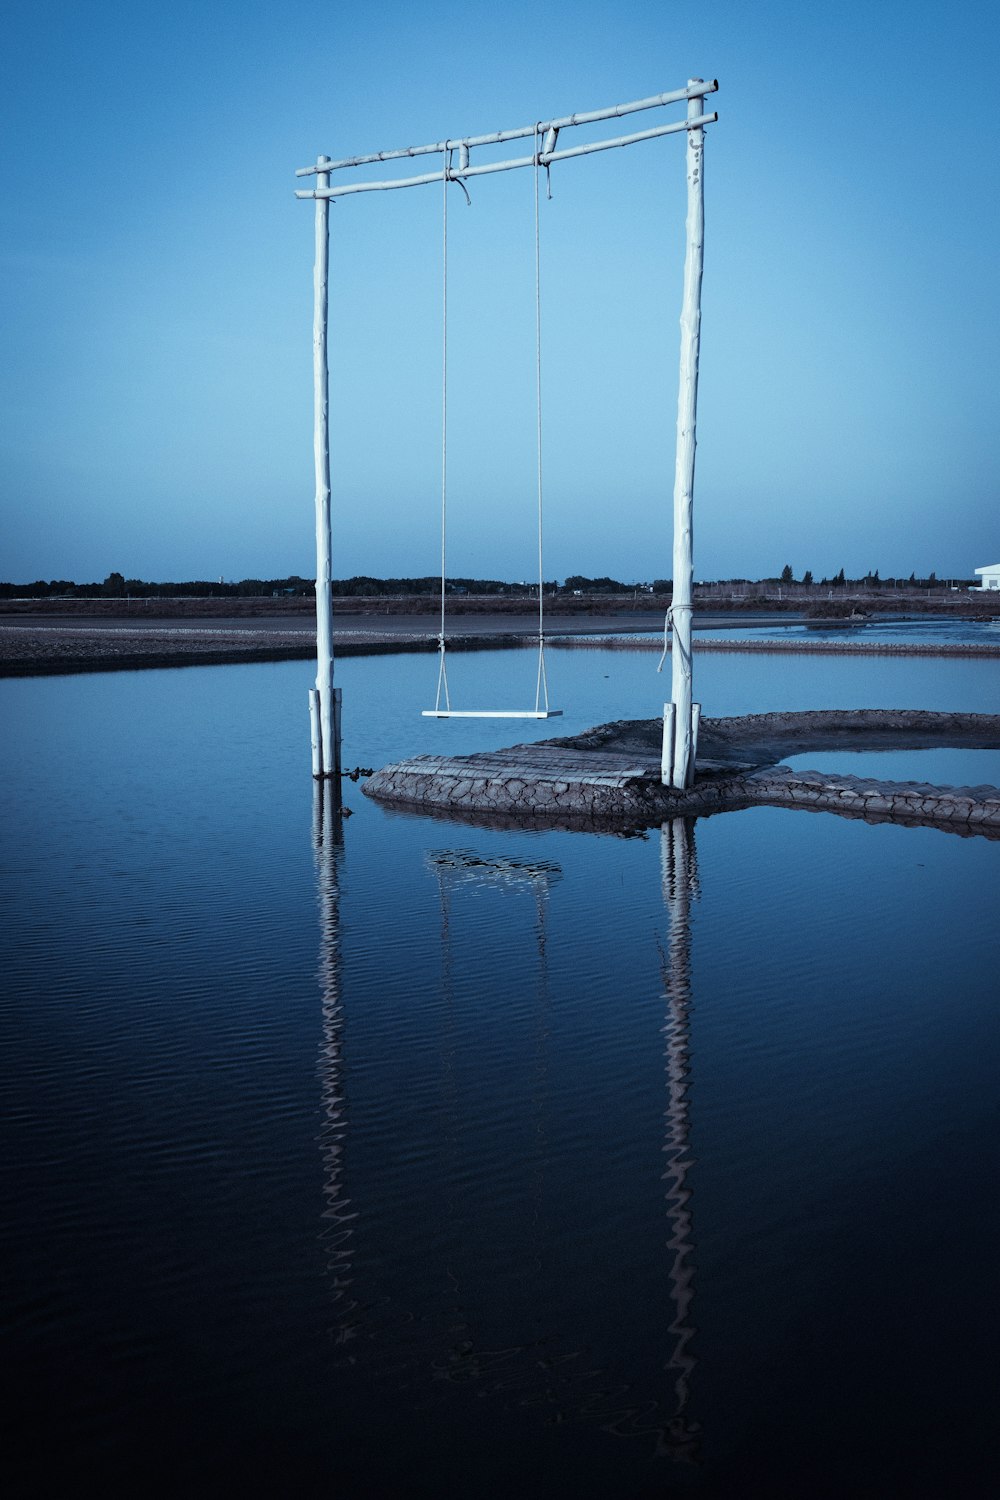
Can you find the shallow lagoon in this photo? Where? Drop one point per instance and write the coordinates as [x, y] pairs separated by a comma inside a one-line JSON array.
[[884, 629], [502, 1160]]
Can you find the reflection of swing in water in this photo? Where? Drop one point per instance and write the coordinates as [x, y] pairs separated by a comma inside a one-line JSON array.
[[568, 1379], [543, 1374], [534, 1374]]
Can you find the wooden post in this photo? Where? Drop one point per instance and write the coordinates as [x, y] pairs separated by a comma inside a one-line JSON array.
[[687, 406], [667, 750], [315, 733], [328, 719], [695, 724]]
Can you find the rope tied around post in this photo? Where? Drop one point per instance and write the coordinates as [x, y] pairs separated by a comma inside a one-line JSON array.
[[668, 625], [463, 162], [548, 146]]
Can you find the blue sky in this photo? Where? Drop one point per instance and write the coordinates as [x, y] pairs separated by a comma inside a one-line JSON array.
[[157, 290]]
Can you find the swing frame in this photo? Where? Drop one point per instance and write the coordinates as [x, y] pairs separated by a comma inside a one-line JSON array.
[[678, 755]]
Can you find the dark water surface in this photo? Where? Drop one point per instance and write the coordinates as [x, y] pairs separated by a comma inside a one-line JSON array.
[[397, 1156]]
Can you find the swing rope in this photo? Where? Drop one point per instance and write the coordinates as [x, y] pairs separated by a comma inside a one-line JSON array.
[[442, 683], [541, 684]]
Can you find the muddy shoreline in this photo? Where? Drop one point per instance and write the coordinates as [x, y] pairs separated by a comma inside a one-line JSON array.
[[52, 652], [33, 646]]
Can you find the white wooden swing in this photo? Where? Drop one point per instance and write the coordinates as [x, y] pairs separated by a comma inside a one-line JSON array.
[[541, 709], [680, 716]]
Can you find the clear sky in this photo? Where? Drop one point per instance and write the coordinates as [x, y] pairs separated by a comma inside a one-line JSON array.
[[157, 286]]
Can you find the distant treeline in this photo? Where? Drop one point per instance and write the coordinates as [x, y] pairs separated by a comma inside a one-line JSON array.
[[117, 586], [867, 581]]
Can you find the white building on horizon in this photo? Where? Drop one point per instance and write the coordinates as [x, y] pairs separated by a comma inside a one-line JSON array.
[[990, 576]]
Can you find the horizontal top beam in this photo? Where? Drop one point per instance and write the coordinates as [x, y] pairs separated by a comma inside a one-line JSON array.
[[695, 90], [543, 159]]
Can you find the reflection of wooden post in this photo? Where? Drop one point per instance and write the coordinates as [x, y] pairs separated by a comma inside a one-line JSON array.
[[338, 1215], [680, 882], [329, 728], [687, 407]]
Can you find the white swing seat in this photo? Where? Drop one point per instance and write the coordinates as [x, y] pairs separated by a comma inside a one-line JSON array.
[[491, 713]]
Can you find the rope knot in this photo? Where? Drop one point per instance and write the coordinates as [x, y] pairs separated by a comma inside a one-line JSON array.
[[668, 621]]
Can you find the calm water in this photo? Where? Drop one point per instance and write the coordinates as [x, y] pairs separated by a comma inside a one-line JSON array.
[[939, 766], [888, 628], [413, 1156]]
